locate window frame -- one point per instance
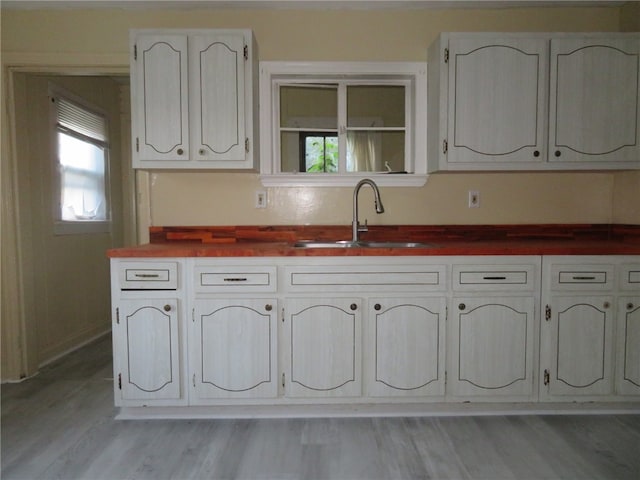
(76, 227)
(413, 74)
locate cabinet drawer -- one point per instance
(483, 277)
(235, 279)
(630, 277)
(148, 276)
(366, 278)
(584, 277)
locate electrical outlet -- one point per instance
(261, 199)
(474, 199)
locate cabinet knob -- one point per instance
(268, 307)
(167, 308)
(606, 305)
(180, 151)
(462, 306)
(377, 306)
(202, 151)
(353, 306)
(536, 153)
(629, 306)
(557, 153)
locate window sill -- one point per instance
(330, 180)
(81, 228)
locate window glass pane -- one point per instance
(82, 174)
(321, 153)
(375, 151)
(371, 106)
(309, 107)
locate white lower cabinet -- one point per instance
(493, 354)
(354, 331)
(407, 338)
(323, 342)
(628, 346)
(232, 346)
(147, 360)
(590, 334)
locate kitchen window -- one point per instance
(332, 124)
(80, 146)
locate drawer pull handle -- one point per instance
(583, 277)
(167, 308)
(353, 306)
(462, 306)
(494, 278)
(268, 307)
(147, 275)
(238, 279)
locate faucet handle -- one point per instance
(363, 228)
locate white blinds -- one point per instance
(78, 119)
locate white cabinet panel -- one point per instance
(160, 103)
(408, 346)
(497, 102)
(324, 338)
(233, 348)
(147, 349)
(217, 96)
(594, 113)
(582, 361)
(628, 346)
(493, 349)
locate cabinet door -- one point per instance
(628, 346)
(407, 338)
(594, 113)
(497, 99)
(159, 99)
(217, 97)
(324, 341)
(581, 331)
(233, 349)
(146, 349)
(492, 346)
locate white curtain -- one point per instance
(363, 152)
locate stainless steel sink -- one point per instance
(358, 244)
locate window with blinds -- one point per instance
(81, 147)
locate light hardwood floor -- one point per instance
(60, 425)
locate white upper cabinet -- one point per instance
(498, 86)
(593, 106)
(534, 101)
(192, 98)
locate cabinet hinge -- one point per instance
(246, 52)
(193, 315)
(246, 144)
(547, 313)
(546, 377)
(283, 380)
(135, 52)
(120, 381)
(445, 146)
(283, 315)
(445, 377)
(137, 144)
(446, 55)
(118, 315)
(194, 380)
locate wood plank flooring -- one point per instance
(60, 425)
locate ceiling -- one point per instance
(312, 4)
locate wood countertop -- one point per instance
(277, 241)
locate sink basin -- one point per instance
(359, 244)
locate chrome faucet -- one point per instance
(355, 224)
